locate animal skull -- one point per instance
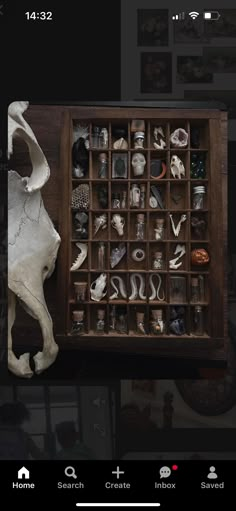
(97, 288)
(118, 223)
(177, 167)
(138, 164)
(33, 245)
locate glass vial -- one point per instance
(96, 137)
(124, 200)
(115, 201)
(140, 227)
(198, 321)
(101, 255)
(102, 172)
(198, 197)
(159, 229)
(195, 296)
(158, 263)
(78, 327)
(100, 325)
(157, 324)
(142, 196)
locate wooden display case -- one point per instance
(177, 200)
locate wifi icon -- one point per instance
(194, 14)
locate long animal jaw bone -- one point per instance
(173, 263)
(83, 247)
(176, 230)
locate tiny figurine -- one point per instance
(102, 172)
(100, 222)
(177, 167)
(140, 227)
(83, 247)
(118, 223)
(138, 164)
(121, 324)
(179, 138)
(98, 288)
(159, 137)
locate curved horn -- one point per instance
(18, 127)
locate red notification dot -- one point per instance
(175, 467)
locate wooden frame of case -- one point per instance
(213, 129)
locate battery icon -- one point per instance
(211, 15)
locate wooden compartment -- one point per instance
(176, 199)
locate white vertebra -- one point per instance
(135, 293)
(121, 289)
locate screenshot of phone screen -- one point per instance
(117, 251)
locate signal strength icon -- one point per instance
(179, 17)
(194, 15)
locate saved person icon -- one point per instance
(212, 474)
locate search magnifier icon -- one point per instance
(70, 472)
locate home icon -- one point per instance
(23, 473)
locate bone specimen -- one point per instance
(159, 137)
(33, 245)
(121, 289)
(156, 292)
(100, 222)
(177, 167)
(176, 230)
(98, 288)
(134, 288)
(118, 223)
(173, 263)
(83, 247)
